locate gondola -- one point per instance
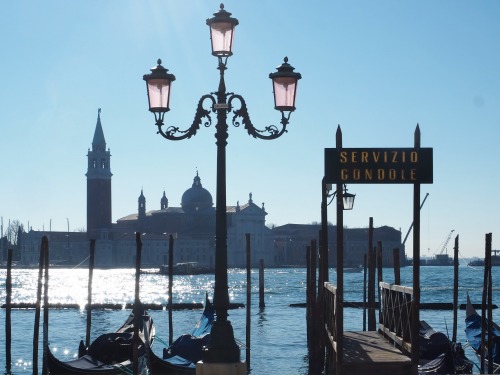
(186, 350)
(438, 355)
(110, 353)
(473, 333)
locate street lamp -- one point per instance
(222, 346)
(347, 198)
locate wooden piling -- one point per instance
(455, 290)
(261, 284)
(397, 266)
(484, 325)
(8, 322)
(170, 283)
(489, 301)
(45, 305)
(137, 316)
(308, 294)
(249, 299)
(314, 313)
(320, 304)
(364, 291)
(36, 331)
(89, 295)
(371, 279)
(380, 277)
(415, 323)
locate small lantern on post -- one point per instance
(347, 198)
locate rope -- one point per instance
(79, 264)
(161, 340)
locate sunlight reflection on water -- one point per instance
(278, 331)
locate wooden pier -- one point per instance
(385, 351)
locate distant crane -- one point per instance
(443, 248)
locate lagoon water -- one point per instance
(278, 332)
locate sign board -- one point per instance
(378, 165)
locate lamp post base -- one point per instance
(222, 347)
(238, 368)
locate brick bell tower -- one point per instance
(98, 186)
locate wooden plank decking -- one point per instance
(368, 352)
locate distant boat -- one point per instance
(355, 269)
(495, 260)
(438, 260)
(187, 268)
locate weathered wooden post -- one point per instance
(320, 305)
(486, 309)
(89, 296)
(379, 275)
(339, 311)
(170, 284)
(36, 331)
(371, 279)
(249, 299)
(137, 309)
(262, 304)
(8, 309)
(455, 290)
(364, 292)
(397, 266)
(415, 342)
(490, 309)
(45, 305)
(313, 350)
(308, 297)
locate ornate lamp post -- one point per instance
(222, 346)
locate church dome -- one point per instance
(196, 198)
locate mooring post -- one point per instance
(136, 308)
(364, 292)
(339, 311)
(490, 312)
(380, 277)
(89, 295)
(415, 323)
(455, 290)
(308, 297)
(249, 299)
(8, 308)
(170, 284)
(261, 284)
(314, 313)
(397, 266)
(45, 246)
(36, 331)
(320, 304)
(371, 279)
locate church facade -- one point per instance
(192, 226)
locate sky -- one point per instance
(376, 68)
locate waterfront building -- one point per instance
(192, 227)
(291, 240)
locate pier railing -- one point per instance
(396, 314)
(330, 293)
